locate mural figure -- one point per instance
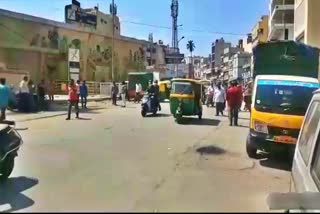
(53, 37)
(35, 40)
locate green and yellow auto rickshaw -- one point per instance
(164, 87)
(185, 98)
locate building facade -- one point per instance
(217, 52)
(306, 22)
(40, 47)
(281, 20)
(260, 31)
(239, 61)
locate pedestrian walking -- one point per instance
(114, 93)
(73, 99)
(219, 98)
(83, 94)
(123, 93)
(24, 95)
(210, 93)
(4, 98)
(247, 96)
(51, 88)
(234, 99)
(41, 95)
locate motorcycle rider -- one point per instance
(154, 89)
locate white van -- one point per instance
(305, 178)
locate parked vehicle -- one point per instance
(185, 98)
(285, 77)
(306, 166)
(10, 142)
(138, 77)
(149, 105)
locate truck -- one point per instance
(138, 77)
(285, 77)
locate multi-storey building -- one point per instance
(281, 19)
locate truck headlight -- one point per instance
(260, 127)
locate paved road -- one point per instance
(115, 160)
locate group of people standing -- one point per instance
(123, 93)
(27, 92)
(234, 95)
(77, 92)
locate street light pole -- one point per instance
(112, 57)
(176, 63)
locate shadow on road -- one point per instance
(202, 122)
(278, 161)
(158, 115)
(210, 150)
(244, 126)
(11, 193)
(84, 118)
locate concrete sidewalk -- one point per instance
(64, 98)
(57, 110)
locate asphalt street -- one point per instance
(115, 160)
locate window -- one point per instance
(315, 167)
(308, 131)
(286, 34)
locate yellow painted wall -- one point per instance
(42, 50)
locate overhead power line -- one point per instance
(194, 30)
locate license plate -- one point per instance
(285, 139)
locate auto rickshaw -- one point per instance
(185, 98)
(164, 87)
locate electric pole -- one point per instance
(113, 11)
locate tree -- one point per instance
(191, 46)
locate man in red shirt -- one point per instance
(73, 99)
(234, 99)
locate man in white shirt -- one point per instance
(24, 95)
(219, 98)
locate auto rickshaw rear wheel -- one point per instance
(178, 118)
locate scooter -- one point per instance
(10, 142)
(149, 105)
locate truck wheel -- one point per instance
(251, 150)
(6, 168)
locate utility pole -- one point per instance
(113, 12)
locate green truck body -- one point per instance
(285, 58)
(138, 77)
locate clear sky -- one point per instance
(200, 18)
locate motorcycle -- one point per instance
(149, 105)
(10, 142)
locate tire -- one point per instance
(143, 113)
(251, 150)
(200, 116)
(154, 112)
(6, 168)
(178, 118)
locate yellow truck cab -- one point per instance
(279, 103)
